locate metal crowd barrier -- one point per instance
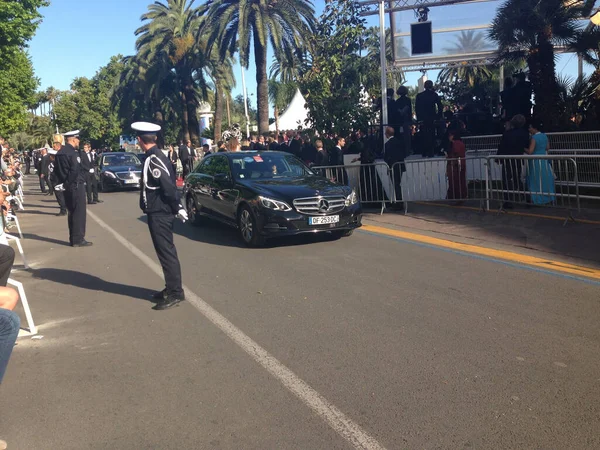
(493, 181)
(549, 181)
(372, 182)
(558, 142)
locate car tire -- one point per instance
(341, 233)
(249, 229)
(195, 218)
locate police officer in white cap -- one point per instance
(70, 174)
(159, 200)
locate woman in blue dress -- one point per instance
(540, 178)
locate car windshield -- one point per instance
(267, 165)
(121, 160)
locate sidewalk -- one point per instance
(521, 231)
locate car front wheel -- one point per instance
(249, 229)
(192, 210)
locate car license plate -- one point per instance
(323, 220)
(131, 181)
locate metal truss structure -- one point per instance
(407, 5)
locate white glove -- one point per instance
(182, 215)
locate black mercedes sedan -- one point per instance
(119, 170)
(269, 194)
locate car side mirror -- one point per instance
(222, 177)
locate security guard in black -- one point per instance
(69, 172)
(159, 201)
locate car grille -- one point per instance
(128, 175)
(320, 205)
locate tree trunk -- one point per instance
(276, 112)
(218, 124)
(184, 117)
(192, 110)
(159, 120)
(262, 85)
(542, 74)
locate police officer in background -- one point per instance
(159, 201)
(70, 174)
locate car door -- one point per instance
(199, 185)
(224, 192)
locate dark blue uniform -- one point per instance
(159, 200)
(69, 172)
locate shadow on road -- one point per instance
(35, 211)
(91, 282)
(36, 237)
(214, 233)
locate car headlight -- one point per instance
(277, 205)
(110, 175)
(352, 199)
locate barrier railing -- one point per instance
(549, 181)
(493, 181)
(575, 140)
(372, 182)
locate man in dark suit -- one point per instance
(394, 157)
(185, 158)
(45, 173)
(429, 109)
(88, 165)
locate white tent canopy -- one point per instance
(294, 116)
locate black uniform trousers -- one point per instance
(427, 131)
(91, 187)
(186, 167)
(60, 196)
(76, 206)
(27, 166)
(42, 182)
(161, 231)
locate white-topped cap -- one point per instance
(145, 128)
(71, 133)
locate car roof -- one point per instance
(249, 152)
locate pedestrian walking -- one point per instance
(38, 167)
(70, 174)
(159, 201)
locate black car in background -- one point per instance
(269, 194)
(119, 170)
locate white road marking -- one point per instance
(335, 418)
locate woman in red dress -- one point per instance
(456, 169)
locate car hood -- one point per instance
(289, 189)
(132, 168)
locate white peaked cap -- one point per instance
(71, 133)
(145, 128)
(51, 151)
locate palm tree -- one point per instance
(587, 45)
(285, 24)
(530, 30)
(467, 42)
(280, 95)
(168, 40)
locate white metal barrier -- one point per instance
(32, 328)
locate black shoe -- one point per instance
(162, 295)
(98, 201)
(169, 302)
(62, 213)
(82, 244)
(91, 203)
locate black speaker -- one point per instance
(421, 38)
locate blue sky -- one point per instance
(79, 36)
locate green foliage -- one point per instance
(18, 21)
(236, 26)
(87, 107)
(17, 91)
(333, 87)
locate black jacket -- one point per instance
(87, 162)
(428, 106)
(184, 154)
(404, 108)
(394, 151)
(44, 165)
(159, 190)
(68, 167)
(336, 157)
(514, 142)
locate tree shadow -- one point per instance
(93, 283)
(214, 233)
(37, 212)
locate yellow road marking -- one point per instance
(534, 261)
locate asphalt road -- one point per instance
(416, 347)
